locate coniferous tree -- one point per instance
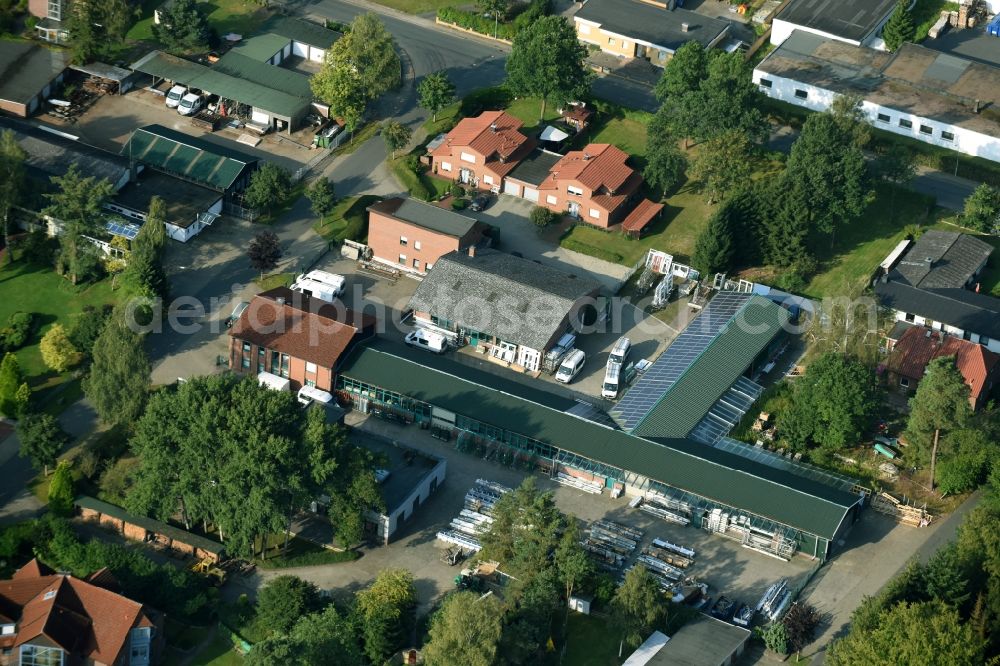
(899, 28)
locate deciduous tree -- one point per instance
(322, 197)
(435, 92)
(283, 600)
(665, 163)
(396, 135)
(546, 61)
(384, 611)
(182, 26)
(12, 158)
(465, 630)
(11, 378)
(982, 209)
(638, 605)
(525, 529)
(723, 164)
(41, 440)
(58, 352)
(684, 72)
(118, 382)
(940, 404)
(269, 186)
(264, 252)
(61, 493)
(573, 564)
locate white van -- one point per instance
(174, 96)
(310, 394)
(428, 340)
(571, 366)
(610, 387)
(332, 279)
(190, 104)
(620, 351)
(315, 289)
(273, 381)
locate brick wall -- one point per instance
(134, 532)
(384, 235)
(323, 377)
(457, 164)
(112, 523)
(39, 8)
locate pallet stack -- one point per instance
(915, 516)
(592, 487)
(475, 518)
(610, 543)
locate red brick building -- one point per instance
(917, 346)
(595, 184)
(481, 151)
(51, 618)
(411, 235)
(296, 337)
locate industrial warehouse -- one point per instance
(776, 508)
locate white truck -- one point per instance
(320, 284)
(174, 96)
(190, 104)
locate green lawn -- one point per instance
(38, 289)
(590, 641)
(349, 220)
(302, 553)
(276, 280)
(420, 6)
(625, 129)
(682, 220)
(219, 652)
(243, 17)
(143, 28)
(925, 14)
(446, 119)
(527, 109)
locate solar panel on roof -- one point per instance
(125, 229)
(677, 358)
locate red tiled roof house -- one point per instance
(595, 184)
(296, 337)
(50, 618)
(481, 151)
(918, 346)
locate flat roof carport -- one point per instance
(275, 103)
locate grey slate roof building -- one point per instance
(652, 25)
(514, 299)
(961, 308)
(943, 260)
(433, 218)
(853, 20)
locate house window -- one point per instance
(905, 123)
(487, 179)
(245, 364)
(926, 129)
(595, 213)
(310, 382)
(947, 136)
(766, 83)
(416, 264)
(904, 382)
(468, 157)
(402, 258)
(310, 368)
(260, 360)
(801, 94)
(416, 245)
(402, 240)
(55, 10)
(909, 317)
(611, 41)
(284, 365)
(574, 190)
(549, 198)
(428, 266)
(445, 166)
(884, 117)
(984, 341)
(36, 655)
(7, 630)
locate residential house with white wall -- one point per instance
(915, 92)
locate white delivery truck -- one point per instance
(571, 366)
(426, 340)
(320, 284)
(310, 394)
(611, 381)
(620, 351)
(273, 382)
(190, 104)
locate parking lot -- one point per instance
(111, 120)
(723, 564)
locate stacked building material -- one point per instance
(611, 543)
(680, 550)
(592, 487)
(774, 601)
(475, 518)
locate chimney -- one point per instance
(685, 27)
(472, 250)
(280, 300)
(586, 156)
(493, 127)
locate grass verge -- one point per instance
(302, 553)
(275, 280)
(349, 220)
(355, 142)
(590, 641)
(419, 6)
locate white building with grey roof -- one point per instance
(513, 309)
(915, 92)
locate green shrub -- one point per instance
(541, 216)
(16, 333)
(459, 204)
(476, 22)
(410, 180)
(456, 190)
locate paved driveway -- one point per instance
(509, 214)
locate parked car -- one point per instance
(174, 96)
(571, 366)
(480, 203)
(237, 311)
(191, 104)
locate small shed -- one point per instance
(580, 604)
(108, 78)
(635, 223)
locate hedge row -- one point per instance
(596, 252)
(487, 25)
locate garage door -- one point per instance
(530, 194)
(512, 188)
